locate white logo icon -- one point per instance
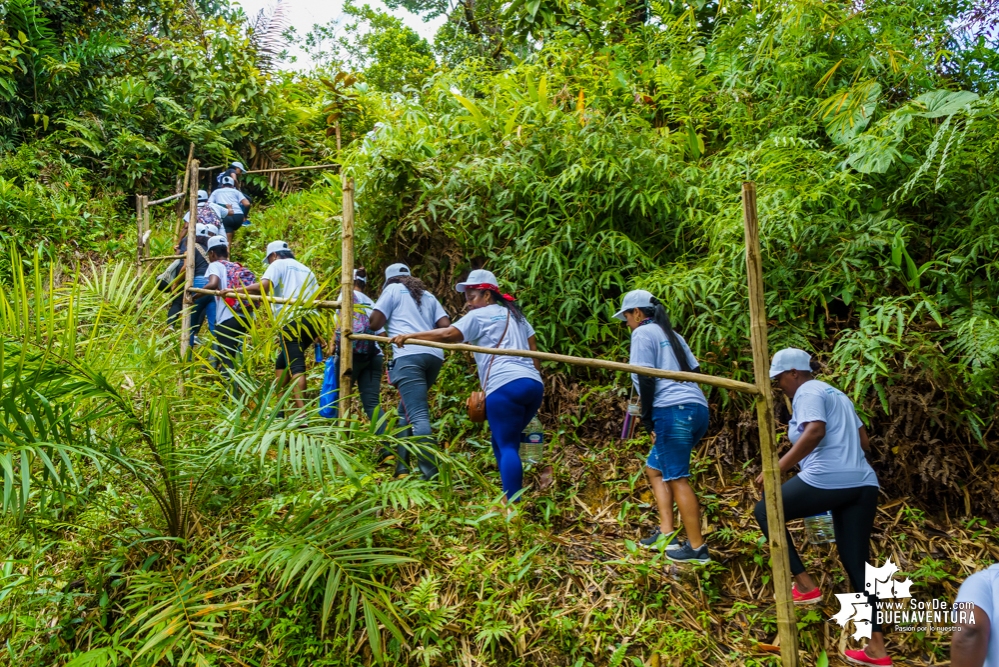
(879, 582)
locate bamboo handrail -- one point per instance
(314, 166)
(230, 294)
(211, 168)
(679, 376)
(162, 258)
(165, 199)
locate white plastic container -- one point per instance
(819, 528)
(532, 442)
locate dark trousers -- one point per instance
(367, 375)
(296, 337)
(229, 341)
(853, 512)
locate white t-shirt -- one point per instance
(838, 461)
(220, 211)
(402, 316)
(291, 280)
(982, 590)
(484, 327)
(224, 196)
(651, 348)
(222, 310)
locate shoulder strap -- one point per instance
(204, 255)
(498, 343)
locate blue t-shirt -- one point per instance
(982, 590)
(650, 348)
(838, 461)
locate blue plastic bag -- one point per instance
(330, 392)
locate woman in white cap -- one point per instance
(235, 203)
(828, 442)
(231, 314)
(204, 306)
(512, 385)
(404, 307)
(210, 215)
(367, 355)
(287, 278)
(676, 416)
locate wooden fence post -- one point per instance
(146, 225)
(346, 295)
(787, 629)
(185, 326)
(138, 232)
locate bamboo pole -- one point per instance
(179, 210)
(269, 299)
(185, 327)
(218, 166)
(679, 376)
(346, 294)
(281, 169)
(165, 199)
(161, 258)
(146, 227)
(138, 232)
(787, 629)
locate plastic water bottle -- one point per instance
(819, 528)
(319, 353)
(532, 442)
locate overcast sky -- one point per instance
(306, 13)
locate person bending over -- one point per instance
(676, 416)
(404, 307)
(512, 385)
(828, 441)
(235, 203)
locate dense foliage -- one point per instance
(577, 150)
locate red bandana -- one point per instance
(491, 288)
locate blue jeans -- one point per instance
(413, 375)
(509, 409)
(204, 309)
(678, 429)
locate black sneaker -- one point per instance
(687, 554)
(657, 537)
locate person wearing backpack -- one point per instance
(236, 204)
(210, 215)
(204, 305)
(232, 314)
(676, 416)
(367, 355)
(406, 307)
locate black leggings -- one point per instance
(853, 513)
(232, 222)
(229, 340)
(296, 336)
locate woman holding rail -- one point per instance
(676, 416)
(512, 385)
(405, 307)
(828, 442)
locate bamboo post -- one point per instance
(346, 294)
(185, 327)
(146, 226)
(787, 629)
(138, 232)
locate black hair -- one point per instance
(412, 283)
(222, 250)
(285, 254)
(659, 315)
(201, 241)
(361, 276)
(509, 305)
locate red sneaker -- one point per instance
(860, 657)
(811, 597)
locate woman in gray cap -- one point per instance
(676, 416)
(828, 442)
(405, 306)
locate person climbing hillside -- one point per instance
(209, 214)
(676, 417)
(513, 385)
(287, 278)
(232, 315)
(235, 170)
(405, 307)
(204, 306)
(828, 442)
(236, 203)
(367, 355)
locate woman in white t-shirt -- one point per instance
(512, 385)
(367, 359)
(675, 415)
(235, 202)
(828, 442)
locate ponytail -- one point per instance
(659, 315)
(509, 305)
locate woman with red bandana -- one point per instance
(512, 384)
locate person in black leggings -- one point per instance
(828, 441)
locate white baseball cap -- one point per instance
(216, 241)
(212, 230)
(397, 270)
(238, 165)
(638, 298)
(227, 180)
(202, 195)
(273, 247)
(478, 277)
(359, 278)
(790, 359)
(201, 229)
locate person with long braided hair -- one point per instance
(512, 385)
(676, 416)
(406, 306)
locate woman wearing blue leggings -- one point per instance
(512, 384)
